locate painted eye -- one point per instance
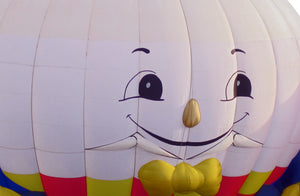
(150, 87)
(242, 86)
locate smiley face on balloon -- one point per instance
(146, 87)
(155, 113)
(151, 88)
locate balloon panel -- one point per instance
(205, 67)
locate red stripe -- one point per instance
(231, 185)
(64, 186)
(275, 175)
(137, 188)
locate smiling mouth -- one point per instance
(137, 139)
(180, 143)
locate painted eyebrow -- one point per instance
(237, 50)
(145, 50)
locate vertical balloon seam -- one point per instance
(190, 96)
(1, 22)
(233, 39)
(289, 25)
(32, 84)
(190, 48)
(84, 92)
(244, 186)
(274, 54)
(241, 180)
(295, 37)
(138, 7)
(10, 182)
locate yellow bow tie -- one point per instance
(162, 179)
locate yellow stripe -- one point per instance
(31, 182)
(254, 182)
(7, 192)
(108, 188)
(187, 194)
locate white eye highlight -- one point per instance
(148, 85)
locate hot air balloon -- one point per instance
(147, 98)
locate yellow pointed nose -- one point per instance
(191, 114)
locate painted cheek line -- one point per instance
(246, 114)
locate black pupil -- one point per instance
(242, 86)
(150, 87)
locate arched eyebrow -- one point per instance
(145, 50)
(237, 50)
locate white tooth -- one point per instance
(121, 145)
(242, 141)
(223, 144)
(150, 147)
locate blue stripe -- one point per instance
(7, 183)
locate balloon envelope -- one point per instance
(93, 91)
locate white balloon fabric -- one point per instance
(91, 91)
(296, 5)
